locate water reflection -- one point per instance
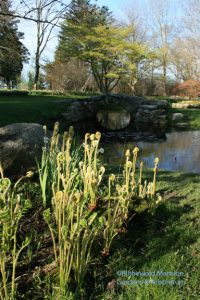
(179, 152)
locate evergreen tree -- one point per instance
(12, 52)
(81, 17)
(89, 33)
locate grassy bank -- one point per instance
(32, 108)
(169, 241)
(191, 117)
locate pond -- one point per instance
(179, 151)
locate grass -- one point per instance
(33, 108)
(42, 109)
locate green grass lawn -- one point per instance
(36, 109)
(168, 242)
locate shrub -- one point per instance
(45, 93)
(84, 93)
(13, 93)
(189, 88)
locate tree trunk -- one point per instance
(132, 84)
(152, 81)
(165, 78)
(8, 84)
(37, 69)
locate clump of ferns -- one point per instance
(12, 209)
(123, 196)
(73, 222)
(83, 211)
(73, 226)
(90, 170)
(134, 185)
(47, 168)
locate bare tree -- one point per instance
(162, 35)
(191, 18)
(25, 9)
(46, 14)
(71, 75)
(186, 51)
(135, 19)
(185, 58)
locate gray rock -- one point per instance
(20, 145)
(114, 120)
(158, 103)
(153, 112)
(76, 114)
(181, 125)
(148, 107)
(176, 117)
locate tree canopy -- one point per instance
(12, 52)
(90, 34)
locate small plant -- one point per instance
(12, 208)
(91, 172)
(47, 168)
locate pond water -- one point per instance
(179, 151)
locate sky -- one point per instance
(116, 6)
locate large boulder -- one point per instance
(20, 145)
(113, 120)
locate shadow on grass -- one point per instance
(150, 237)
